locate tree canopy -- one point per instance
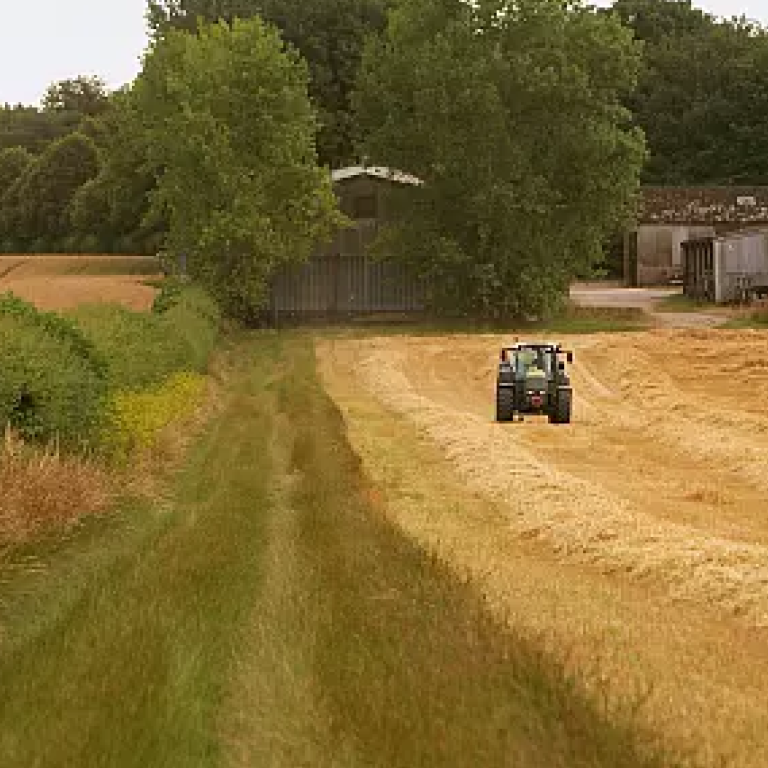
(510, 113)
(36, 206)
(702, 100)
(329, 34)
(230, 135)
(13, 162)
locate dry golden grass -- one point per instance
(42, 491)
(634, 539)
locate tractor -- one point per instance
(532, 380)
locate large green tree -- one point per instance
(230, 133)
(702, 99)
(330, 34)
(36, 206)
(510, 113)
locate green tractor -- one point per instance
(532, 380)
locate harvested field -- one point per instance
(635, 538)
(57, 282)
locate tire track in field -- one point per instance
(581, 520)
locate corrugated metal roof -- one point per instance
(375, 171)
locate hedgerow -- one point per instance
(144, 349)
(139, 349)
(74, 378)
(52, 383)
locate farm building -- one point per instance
(341, 278)
(733, 267)
(669, 216)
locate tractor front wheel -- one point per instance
(505, 404)
(561, 413)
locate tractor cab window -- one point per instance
(529, 361)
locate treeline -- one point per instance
(522, 117)
(702, 95)
(50, 160)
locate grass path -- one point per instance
(270, 616)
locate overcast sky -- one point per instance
(42, 41)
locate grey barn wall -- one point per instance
(342, 277)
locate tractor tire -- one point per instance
(505, 404)
(561, 413)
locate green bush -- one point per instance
(138, 348)
(144, 349)
(59, 376)
(170, 291)
(53, 383)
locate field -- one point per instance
(354, 565)
(634, 540)
(53, 281)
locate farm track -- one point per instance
(653, 500)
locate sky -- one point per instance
(42, 41)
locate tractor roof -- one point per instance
(547, 345)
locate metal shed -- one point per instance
(727, 268)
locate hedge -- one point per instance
(53, 383)
(144, 349)
(60, 377)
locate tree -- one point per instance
(115, 206)
(654, 21)
(36, 205)
(510, 113)
(83, 95)
(702, 100)
(330, 34)
(230, 134)
(13, 162)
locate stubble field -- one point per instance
(634, 541)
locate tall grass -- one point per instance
(43, 491)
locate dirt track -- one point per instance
(654, 498)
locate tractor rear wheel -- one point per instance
(505, 404)
(561, 413)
